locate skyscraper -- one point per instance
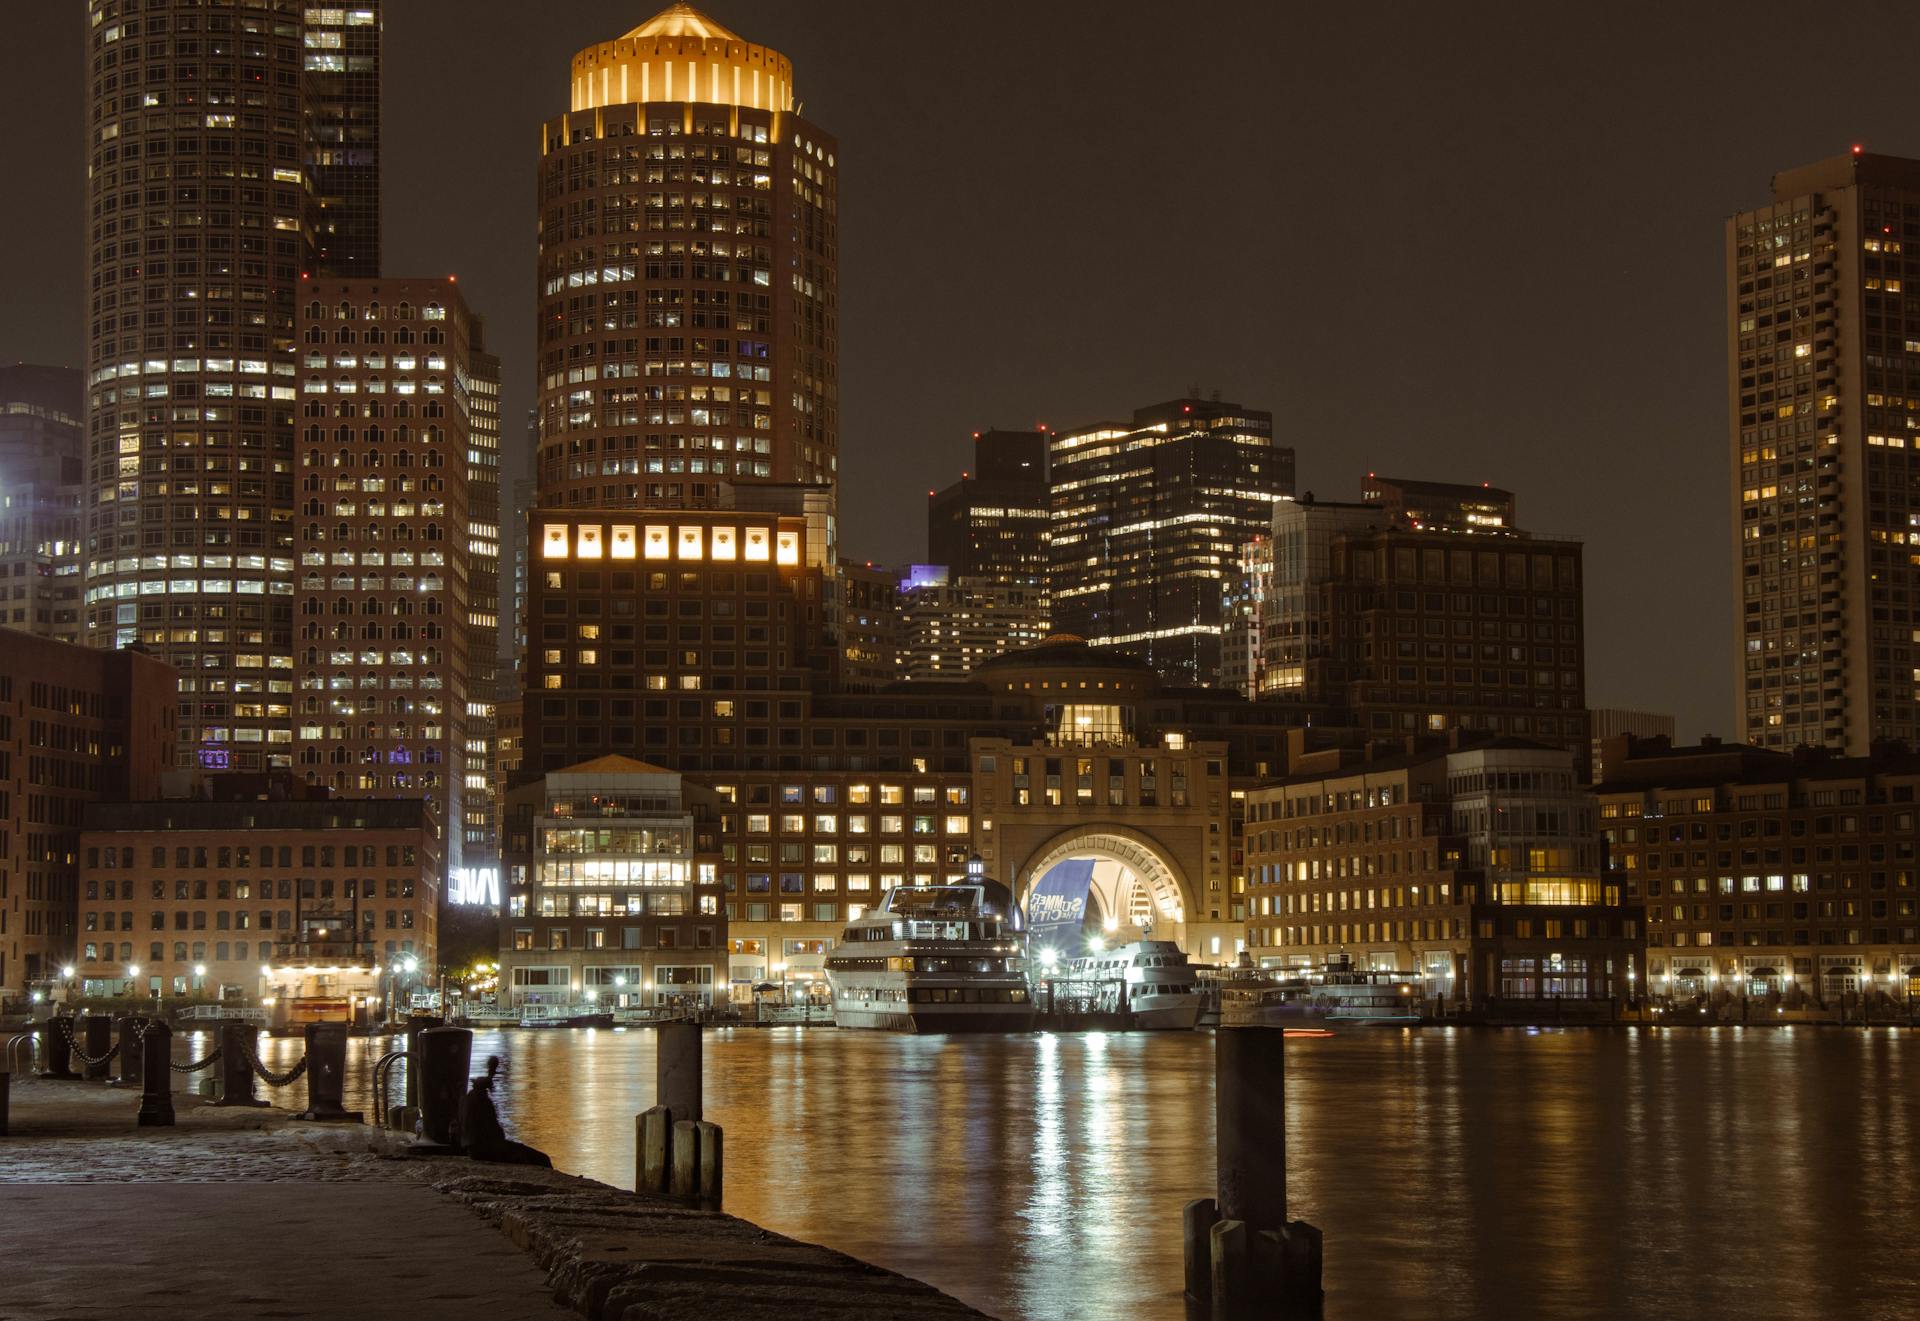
(1822, 436)
(385, 597)
(42, 450)
(992, 523)
(200, 126)
(341, 82)
(1148, 521)
(480, 845)
(689, 244)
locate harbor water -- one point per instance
(1455, 1172)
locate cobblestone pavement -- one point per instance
(250, 1213)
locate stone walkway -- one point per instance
(248, 1213)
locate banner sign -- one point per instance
(1058, 908)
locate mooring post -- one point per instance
(677, 1071)
(156, 1095)
(442, 1057)
(132, 1055)
(326, 1074)
(236, 1064)
(99, 1035)
(1243, 1257)
(416, 1024)
(55, 1035)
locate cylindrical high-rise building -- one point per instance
(200, 127)
(689, 245)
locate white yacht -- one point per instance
(1149, 980)
(931, 958)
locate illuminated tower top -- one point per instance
(682, 55)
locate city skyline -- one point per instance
(1444, 416)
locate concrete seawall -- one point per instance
(249, 1212)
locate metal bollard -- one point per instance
(99, 1037)
(53, 1036)
(237, 1039)
(442, 1057)
(326, 1075)
(132, 1054)
(156, 1097)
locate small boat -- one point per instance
(931, 958)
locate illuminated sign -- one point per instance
(471, 887)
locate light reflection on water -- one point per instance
(1708, 1173)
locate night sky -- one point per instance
(1453, 242)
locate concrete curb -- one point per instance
(618, 1256)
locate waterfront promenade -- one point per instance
(252, 1213)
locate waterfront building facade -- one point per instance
(77, 726)
(1474, 864)
(385, 598)
(256, 891)
(1822, 436)
(612, 894)
(688, 260)
(42, 458)
(1148, 518)
(1770, 879)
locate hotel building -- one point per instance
(1148, 521)
(1770, 878)
(688, 258)
(1475, 864)
(1822, 436)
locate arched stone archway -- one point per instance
(1141, 883)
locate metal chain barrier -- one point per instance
(66, 1028)
(197, 1065)
(275, 1079)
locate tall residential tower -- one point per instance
(1823, 429)
(200, 124)
(689, 248)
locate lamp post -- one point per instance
(199, 978)
(66, 976)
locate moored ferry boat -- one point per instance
(1338, 994)
(931, 958)
(1149, 981)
